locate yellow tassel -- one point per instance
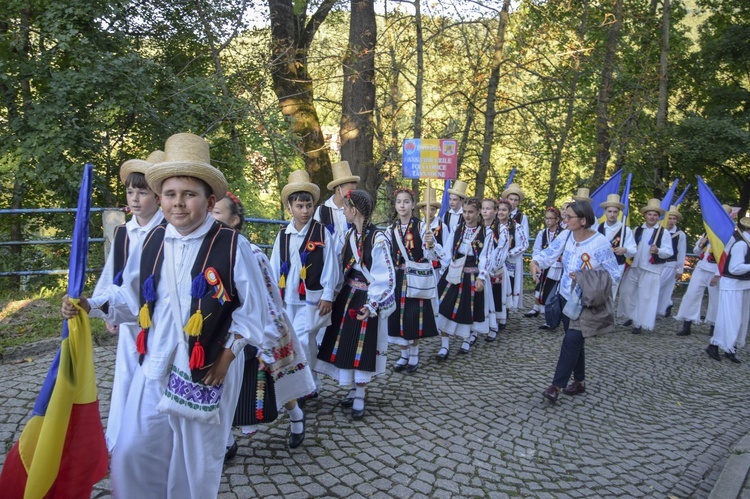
(144, 318)
(282, 281)
(303, 273)
(194, 325)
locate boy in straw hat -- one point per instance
(456, 195)
(734, 297)
(514, 265)
(582, 194)
(127, 241)
(619, 235)
(331, 213)
(305, 263)
(640, 287)
(704, 277)
(200, 293)
(440, 231)
(675, 264)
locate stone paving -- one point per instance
(657, 420)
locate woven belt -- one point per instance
(355, 284)
(471, 270)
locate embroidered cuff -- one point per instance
(372, 308)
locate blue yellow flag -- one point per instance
(682, 196)
(62, 452)
(719, 226)
(611, 186)
(510, 177)
(445, 202)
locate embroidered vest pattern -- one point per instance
(615, 242)
(121, 251)
(311, 256)
(639, 235)
(738, 239)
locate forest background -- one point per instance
(566, 91)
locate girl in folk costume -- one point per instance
(514, 264)
(354, 346)
(549, 277)
(414, 318)
(498, 232)
(517, 244)
(734, 298)
(126, 243)
(704, 277)
(440, 232)
(461, 288)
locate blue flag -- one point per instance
(444, 203)
(611, 186)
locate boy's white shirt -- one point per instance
(330, 276)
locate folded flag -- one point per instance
(611, 186)
(719, 226)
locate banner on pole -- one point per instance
(430, 158)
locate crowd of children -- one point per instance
(214, 335)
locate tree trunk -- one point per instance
(661, 114)
(560, 143)
(603, 139)
(358, 101)
(418, 99)
(291, 36)
(490, 112)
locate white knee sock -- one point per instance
(413, 355)
(359, 398)
(404, 357)
(296, 414)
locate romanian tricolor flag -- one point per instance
(611, 186)
(62, 452)
(719, 225)
(666, 203)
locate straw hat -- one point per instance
(745, 221)
(459, 189)
(342, 174)
(728, 209)
(653, 205)
(299, 181)
(583, 195)
(514, 188)
(140, 165)
(431, 201)
(673, 211)
(187, 155)
(612, 200)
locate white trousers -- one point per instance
(638, 297)
(732, 319)
(690, 307)
(126, 362)
(300, 317)
(162, 456)
(666, 286)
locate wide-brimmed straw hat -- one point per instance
(431, 201)
(613, 200)
(187, 155)
(727, 209)
(673, 211)
(459, 189)
(140, 165)
(582, 195)
(299, 181)
(652, 205)
(342, 174)
(513, 188)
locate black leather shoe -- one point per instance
(491, 338)
(685, 329)
(231, 452)
(628, 322)
(531, 313)
(472, 340)
(442, 354)
(358, 414)
(464, 348)
(296, 439)
(668, 311)
(713, 352)
(551, 393)
(732, 357)
(501, 326)
(398, 367)
(347, 401)
(637, 330)
(410, 368)
(545, 326)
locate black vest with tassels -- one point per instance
(218, 251)
(315, 259)
(367, 244)
(120, 251)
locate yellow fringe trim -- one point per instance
(194, 325)
(144, 318)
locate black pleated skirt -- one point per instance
(251, 411)
(545, 287)
(470, 309)
(497, 295)
(413, 318)
(349, 343)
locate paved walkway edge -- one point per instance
(733, 475)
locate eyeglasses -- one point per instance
(568, 217)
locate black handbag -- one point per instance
(553, 308)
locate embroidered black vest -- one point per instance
(120, 252)
(367, 244)
(326, 217)
(495, 228)
(313, 243)
(438, 232)
(639, 234)
(675, 244)
(416, 253)
(447, 218)
(615, 242)
(218, 251)
(476, 244)
(518, 217)
(512, 224)
(738, 239)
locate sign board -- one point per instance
(429, 158)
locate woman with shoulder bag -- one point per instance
(580, 248)
(413, 249)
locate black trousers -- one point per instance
(572, 358)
